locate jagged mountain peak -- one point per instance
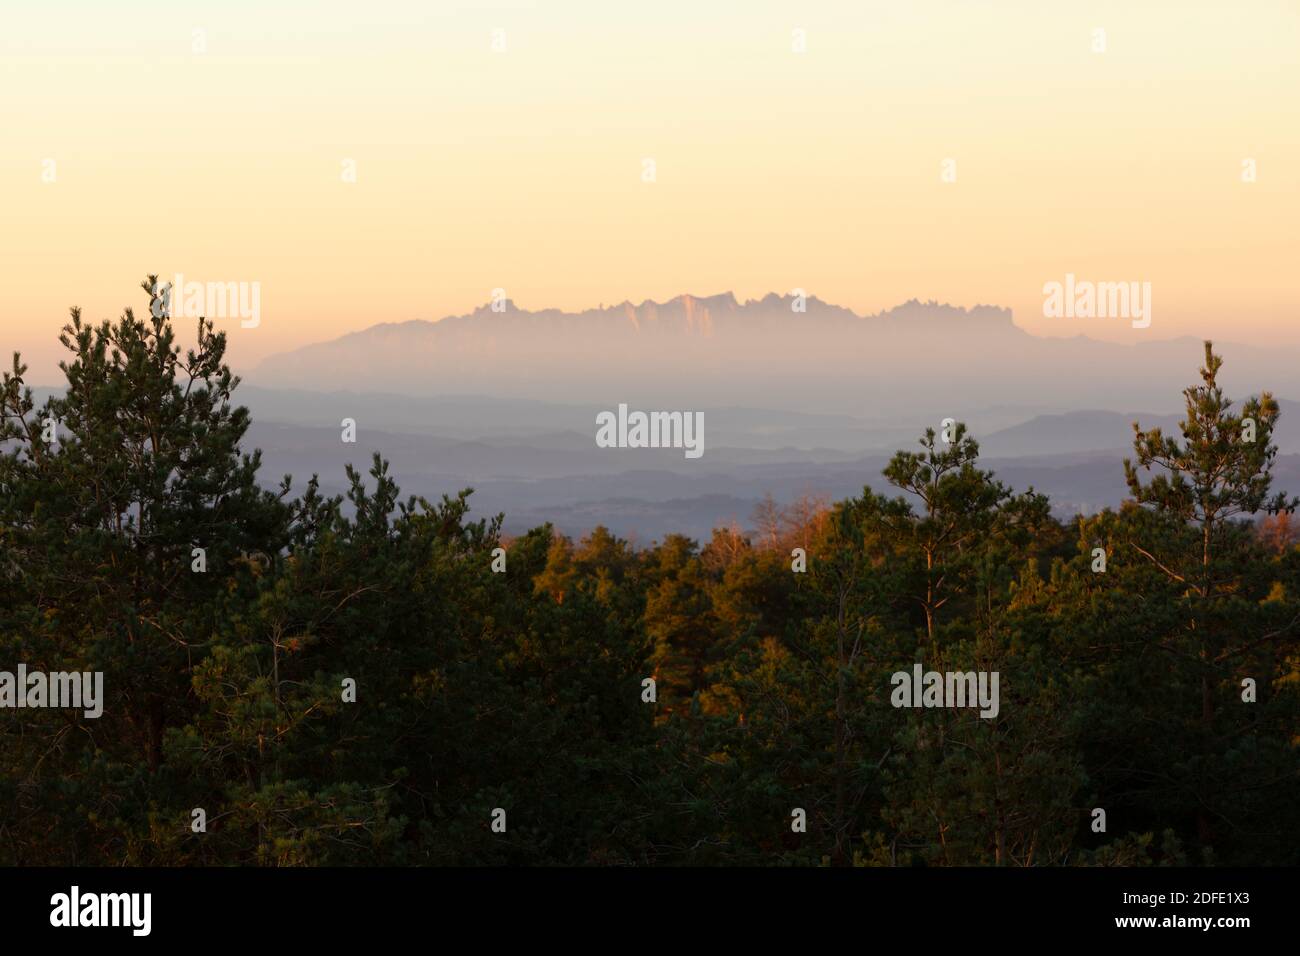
(695, 350)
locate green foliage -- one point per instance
(522, 690)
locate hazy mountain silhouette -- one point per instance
(795, 402)
(919, 359)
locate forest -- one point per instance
(292, 678)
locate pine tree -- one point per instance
(135, 528)
(958, 503)
(1197, 536)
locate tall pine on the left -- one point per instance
(99, 529)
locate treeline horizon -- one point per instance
(377, 679)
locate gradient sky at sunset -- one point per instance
(523, 169)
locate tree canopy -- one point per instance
(292, 678)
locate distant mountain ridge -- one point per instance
(919, 358)
(695, 314)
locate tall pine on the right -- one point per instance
(1235, 624)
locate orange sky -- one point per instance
(523, 169)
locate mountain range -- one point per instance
(919, 360)
(795, 402)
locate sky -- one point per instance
(962, 151)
